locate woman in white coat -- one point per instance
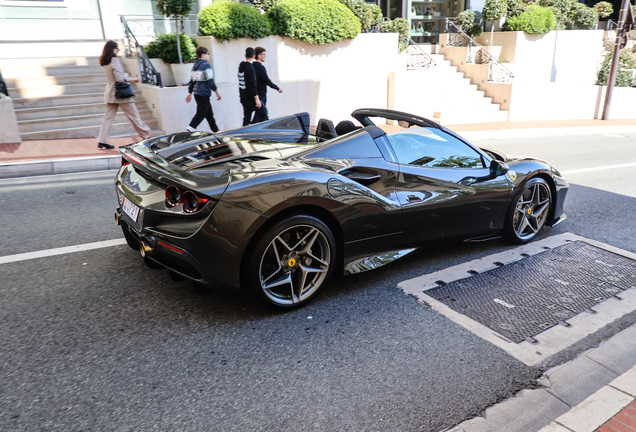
(115, 73)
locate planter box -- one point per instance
(327, 81)
(9, 132)
(167, 79)
(565, 56)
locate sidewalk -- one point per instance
(60, 156)
(602, 380)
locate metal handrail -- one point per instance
(477, 54)
(149, 74)
(418, 58)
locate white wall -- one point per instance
(558, 101)
(327, 81)
(567, 56)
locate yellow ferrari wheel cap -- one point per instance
(291, 262)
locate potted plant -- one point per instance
(163, 54)
(494, 10)
(177, 9)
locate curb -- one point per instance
(598, 408)
(59, 166)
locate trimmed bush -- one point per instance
(314, 21)
(165, 48)
(582, 17)
(624, 77)
(264, 5)
(377, 14)
(467, 20)
(362, 11)
(516, 7)
(494, 10)
(399, 26)
(535, 20)
(226, 20)
(603, 9)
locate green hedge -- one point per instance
(582, 17)
(624, 76)
(165, 48)
(399, 26)
(366, 13)
(314, 21)
(226, 20)
(535, 20)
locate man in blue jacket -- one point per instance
(247, 86)
(262, 82)
(202, 85)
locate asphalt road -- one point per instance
(96, 341)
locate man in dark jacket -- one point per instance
(262, 82)
(247, 86)
(202, 85)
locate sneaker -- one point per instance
(105, 146)
(190, 129)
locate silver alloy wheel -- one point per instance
(531, 211)
(294, 265)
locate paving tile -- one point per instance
(624, 418)
(618, 426)
(528, 411)
(618, 354)
(555, 427)
(576, 380)
(627, 383)
(595, 410)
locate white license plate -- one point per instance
(130, 209)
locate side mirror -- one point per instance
(498, 168)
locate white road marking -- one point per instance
(576, 171)
(60, 251)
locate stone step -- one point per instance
(117, 129)
(39, 71)
(47, 81)
(48, 62)
(68, 110)
(62, 100)
(56, 90)
(71, 122)
(475, 117)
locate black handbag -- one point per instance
(123, 90)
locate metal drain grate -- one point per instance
(521, 299)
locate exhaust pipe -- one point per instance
(146, 246)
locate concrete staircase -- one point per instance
(443, 93)
(63, 97)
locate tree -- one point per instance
(494, 10)
(603, 9)
(176, 9)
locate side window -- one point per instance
(433, 149)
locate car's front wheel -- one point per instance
(528, 211)
(291, 262)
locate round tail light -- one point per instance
(173, 196)
(192, 203)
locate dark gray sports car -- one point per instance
(276, 207)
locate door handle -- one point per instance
(361, 177)
(413, 198)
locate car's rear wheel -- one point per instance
(291, 262)
(528, 211)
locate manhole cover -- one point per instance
(521, 299)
